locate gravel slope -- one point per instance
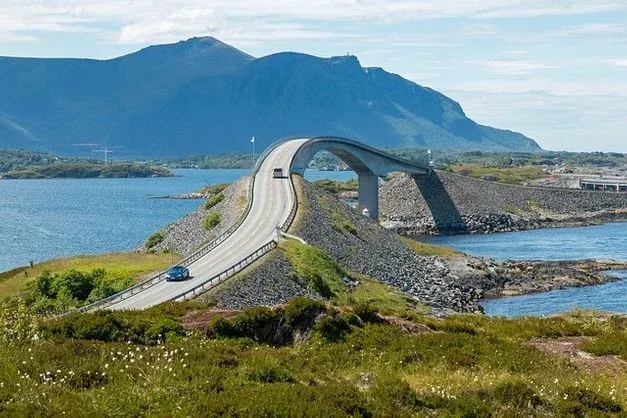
(463, 204)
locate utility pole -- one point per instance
(252, 141)
(106, 150)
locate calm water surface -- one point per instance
(44, 219)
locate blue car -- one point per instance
(177, 273)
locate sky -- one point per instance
(554, 70)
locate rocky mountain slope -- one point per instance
(203, 96)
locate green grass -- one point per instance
(370, 370)
(425, 249)
(212, 220)
(118, 265)
(378, 296)
(336, 187)
(316, 267)
(214, 200)
(154, 239)
(511, 175)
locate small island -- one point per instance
(29, 165)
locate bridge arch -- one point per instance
(369, 164)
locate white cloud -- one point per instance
(140, 21)
(513, 67)
(618, 62)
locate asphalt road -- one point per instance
(272, 203)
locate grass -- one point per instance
(378, 296)
(316, 267)
(119, 265)
(425, 249)
(214, 200)
(511, 175)
(212, 220)
(337, 187)
(369, 370)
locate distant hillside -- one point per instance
(203, 96)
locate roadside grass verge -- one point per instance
(426, 249)
(117, 265)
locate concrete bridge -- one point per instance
(369, 163)
(271, 209)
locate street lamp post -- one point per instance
(252, 141)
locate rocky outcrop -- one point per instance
(507, 278)
(188, 233)
(448, 203)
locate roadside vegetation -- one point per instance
(66, 283)
(212, 220)
(306, 358)
(426, 249)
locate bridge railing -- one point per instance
(290, 218)
(208, 284)
(226, 274)
(159, 277)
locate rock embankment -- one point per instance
(363, 246)
(188, 233)
(270, 282)
(448, 203)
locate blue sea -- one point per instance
(45, 219)
(607, 241)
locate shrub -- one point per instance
(366, 313)
(301, 312)
(211, 220)
(112, 327)
(214, 200)
(154, 239)
(332, 329)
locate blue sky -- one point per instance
(554, 70)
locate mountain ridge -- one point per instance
(204, 96)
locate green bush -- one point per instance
(258, 323)
(366, 313)
(211, 220)
(333, 328)
(301, 312)
(154, 239)
(112, 327)
(214, 200)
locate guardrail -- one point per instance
(208, 284)
(226, 274)
(290, 218)
(159, 277)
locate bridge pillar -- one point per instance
(369, 193)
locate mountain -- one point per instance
(203, 96)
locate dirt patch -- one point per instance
(568, 347)
(199, 320)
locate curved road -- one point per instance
(272, 203)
